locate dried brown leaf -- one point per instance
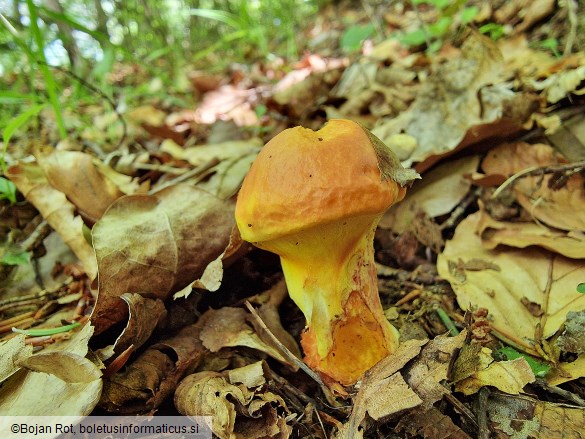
(230, 327)
(430, 423)
(431, 367)
(144, 316)
(383, 391)
(462, 93)
(156, 245)
(75, 174)
(146, 382)
(237, 411)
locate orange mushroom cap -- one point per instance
(302, 178)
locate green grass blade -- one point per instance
(15, 124)
(42, 62)
(222, 16)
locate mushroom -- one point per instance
(315, 199)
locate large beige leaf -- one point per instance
(563, 208)
(56, 209)
(155, 245)
(504, 280)
(41, 392)
(11, 353)
(69, 383)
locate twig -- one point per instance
(572, 16)
(199, 171)
(34, 297)
(482, 422)
(569, 396)
(460, 209)
(286, 352)
(459, 406)
(539, 170)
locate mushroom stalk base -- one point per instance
(331, 275)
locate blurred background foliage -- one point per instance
(65, 52)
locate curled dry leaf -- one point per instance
(144, 383)
(56, 209)
(156, 245)
(523, 234)
(237, 410)
(530, 275)
(563, 208)
(75, 174)
(558, 85)
(507, 376)
(144, 316)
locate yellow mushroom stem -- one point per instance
(331, 275)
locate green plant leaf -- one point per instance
(539, 368)
(354, 36)
(414, 38)
(581, 288)
(222, 16)
(441, 27)
(494, 30)
(19, 121)
(15, 257)
(12, 97)
(7, 190)
(468, 14)
(106, 63)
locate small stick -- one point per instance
(482, 422)
(539, 170)
(569, 396)
(410, 296)
(198, 171)
(289, 354)
(460, 407)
